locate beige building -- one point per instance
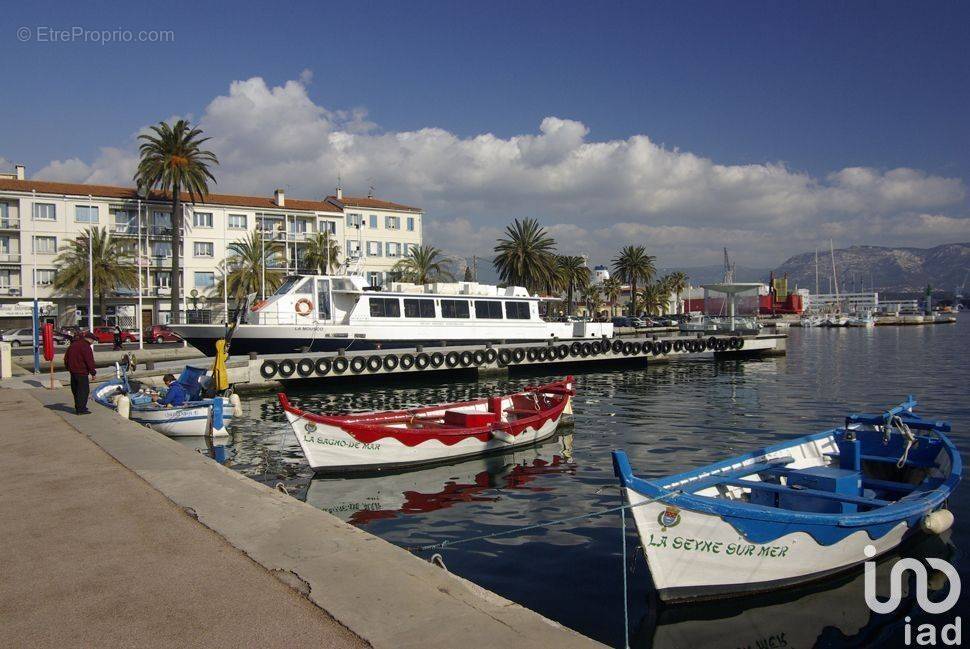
(38, 217)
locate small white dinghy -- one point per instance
(797, 511)
(196, 418)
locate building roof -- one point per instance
(372, 203)
(129, 193)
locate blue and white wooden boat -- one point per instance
(195, 418)
(796, 511)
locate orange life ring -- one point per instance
(303, 307)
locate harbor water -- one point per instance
(668, 418)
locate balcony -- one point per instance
(9, 223)
(272, 235)
(10, 290)
(10, 258)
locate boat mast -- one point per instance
(835, 278)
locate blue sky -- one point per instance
(815, 88)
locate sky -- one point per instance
(766, 127)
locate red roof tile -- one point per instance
(365, 202)
(128, 193)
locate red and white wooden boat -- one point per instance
(429, 435)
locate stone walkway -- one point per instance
(91, 555)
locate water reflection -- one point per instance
(361, 500)
(668, 418)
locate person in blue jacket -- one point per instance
(176, 394)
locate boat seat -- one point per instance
(888, 485)
(719, 478)
(814, 493)
(910, 462)
(521, 412)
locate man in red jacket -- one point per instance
(79, 360)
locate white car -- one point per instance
(18, 337)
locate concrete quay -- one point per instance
(114, 535)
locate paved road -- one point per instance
(91, 555)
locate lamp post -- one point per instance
(90, 271)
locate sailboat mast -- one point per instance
(816, 270)
(835, 278)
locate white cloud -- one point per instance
(594, 195)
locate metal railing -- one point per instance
(11, 290)
(10, 223)
(10, 257)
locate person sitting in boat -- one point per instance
(176, 395)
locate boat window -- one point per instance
(488, 309)
(385, 307)
(306, 288)
(454, 308)
(418, 308)
(517, 310)
(287, 285)
(323, 299)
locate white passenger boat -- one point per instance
(796, 511)
(327, 313)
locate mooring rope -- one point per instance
(622, 508)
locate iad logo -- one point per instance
(925, 633)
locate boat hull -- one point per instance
(704, 557)
(283, 339)
(330, 448)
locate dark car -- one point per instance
(161, 334)
(621, 321)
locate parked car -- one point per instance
(107, 335)
(161, 334)
(638, 322)
(25, 337)
(621, 321)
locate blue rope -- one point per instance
(626, 614)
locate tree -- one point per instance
(112, 266)
(469, 276)
(526, 256)
(612, 288)
(572, 275)
(592, 298)
(654, 298)
(322, 252)
(172, 159)
(677, 283)
(632, 266)
(243, 267)
(423, 265)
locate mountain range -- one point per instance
(863, 268)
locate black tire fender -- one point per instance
(340, 365)
(452, 359)
(304, 367)
(504, 357)
(358, 364)
(466, 358)
(391, 361)
(437, 359)
(268, 369)
(407, 361)
(286, 367)
(323, 366)
(422, 360)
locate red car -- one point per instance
(107, 335)
(161, 334)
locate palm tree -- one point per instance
(322, 252)
(111, 262)
(173, 160)
(612, 288)
(572, 274)
(654, 298)
(592, 298)
(677, 283)
(243, 267)
(423, 265)
(631, 266)
(526, 256)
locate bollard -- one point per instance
(419, 348)
(342, 352)
(149, 365)
(253, 356)
(6, 364)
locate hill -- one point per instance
(883, 269)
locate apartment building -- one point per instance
(38, 217)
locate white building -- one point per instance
(38, 217)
